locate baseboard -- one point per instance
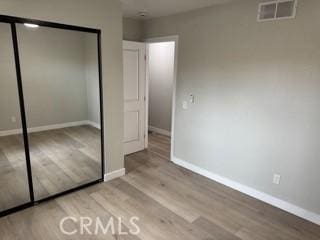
(160, 131)
(115, 174)
(288, 207)
(50, 127)
(57, 126)
(10, 132)
(94, 124)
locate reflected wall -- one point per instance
(14, 188)
(61, 92)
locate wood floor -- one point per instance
(171, 202)
(61, 159)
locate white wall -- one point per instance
(257, 94)
(104, 15)
(161, 74)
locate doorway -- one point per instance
(160, 62)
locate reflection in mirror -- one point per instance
(14, 188)
(61, 91)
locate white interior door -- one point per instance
(134, 71)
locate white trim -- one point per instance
(160, 131)
(10, 132)
(286, 206)
(174, 38)
(57, 126)
(49, 127)
(115, 174)
(94, 124)
(146, 136)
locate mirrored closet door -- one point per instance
(51, 131)
(60, 77)
(14, 186)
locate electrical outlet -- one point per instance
(13, 119)
(276, 179)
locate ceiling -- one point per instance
(160, 8)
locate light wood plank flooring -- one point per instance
(61, 159)
(171, 202)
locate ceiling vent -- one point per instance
(277, 10)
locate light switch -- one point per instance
(191, 98)
(276, 179)
(13, 119)
(185, 105)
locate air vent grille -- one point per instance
(276, 10)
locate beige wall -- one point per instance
(107, 16)
(132, 29)
(60, 77)
(92, 78)
(257, 101)
(9, 98)
(53, 75)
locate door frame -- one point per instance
(12, 21)
(175, 39)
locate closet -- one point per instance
(51, 115)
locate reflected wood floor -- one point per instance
(61, 159)
(171, 202)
